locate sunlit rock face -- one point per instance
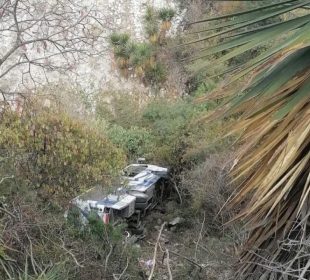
(95, 73)
(122, 16)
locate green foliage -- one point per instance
(163, 130)
(141, 57)
(135, 141)
(53, 154)
(98, 231)
(118, 108)
(119, 39)
(56, 272)
(203, 88)
(166, 14)
(141, 54)
(156, 74)
(150, 14)
(180, 139)
(151, 29)
(124, 51)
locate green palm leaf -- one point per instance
(272, 113)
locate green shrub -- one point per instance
(141, 54)
(156, 73)
(166, 14)
(169, 124)
(135, 141)
(119, 39)
(52, 153)
(150, 15)
(119, 108)
(181, 139)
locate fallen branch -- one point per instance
(155, 251)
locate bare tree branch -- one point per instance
(39, 37)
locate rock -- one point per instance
(159, 221)
(176, 221)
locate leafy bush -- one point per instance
(119, 108)
(135, 141)
(181, 139)
(169, 123)
(141, 55)
(53, 154)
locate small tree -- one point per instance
(166, 15)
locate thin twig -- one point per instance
(200, 234)
(124, 270)
(72, 255)
(107, 258)
(168, 265)
(155, 251)
(178, 192)
(7, 212)
(5, 178)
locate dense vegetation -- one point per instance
(247, 71)
(49, 156)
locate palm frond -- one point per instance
(272, 113)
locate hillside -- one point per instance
(205, 102)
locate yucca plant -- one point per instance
(152, 31)
(272, 113)
(151, 24)
(123, 53)
(141, 57)
(166, 15)
(122, 48)
(119, 39)
(150, 15)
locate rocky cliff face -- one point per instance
(96, 73)
(123, 16)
